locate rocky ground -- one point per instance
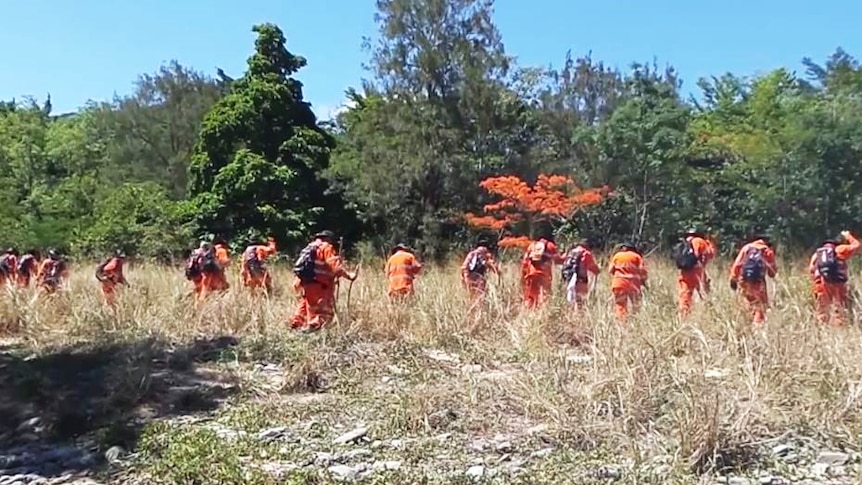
(367, 414)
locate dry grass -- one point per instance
(695, 397)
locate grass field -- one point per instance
(227, 394)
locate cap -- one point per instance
(327, 234)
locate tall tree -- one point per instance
(256, 164)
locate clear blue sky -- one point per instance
(90, 49)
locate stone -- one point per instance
(782, 450)
(504, 447)
(386, 465)
(833, 458)
(351, 436)
(541, 453)
(360, 453)
(476, 471)
(279, 469)
(323, 458)
(738, 481)
(280, 433)
(345, 472)
(609, 472)
(819, 469)
(115, 454)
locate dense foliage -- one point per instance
(445, 108)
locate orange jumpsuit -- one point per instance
(537, 276)
(48, 284)
(401, 269)
(27, 266)
(112, 275)
(578, 292)
(212, 281)
(12, 263)
(628, 275)
(475, 283)
(694, 279)
(263, 280)
(833, 296)
(317, 303)
(754, 293)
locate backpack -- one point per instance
(684, 255)
(476, 265)
(24, 266)
(100, 270)
(193, 269)
(54, 272)
(5, 268)
(538, 252)
(829, 266)
(208, 262)
(252, 263)
(304, 267)
(572, 265)
(753, 266)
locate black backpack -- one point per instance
(5, 268)
(476, 265)
(684, 255)
(100, 270)
(753, 266)
(193, 268)
(572, 266)
(304, 268)
(829, 266)
(24, 266)
(208, 261)
(252, 263)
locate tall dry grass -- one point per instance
(704, 392)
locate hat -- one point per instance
(52, 253)
(327, 234)
(691, 231)
(629, 245)
(401, 247)
(119, 254)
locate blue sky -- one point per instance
(90, 49)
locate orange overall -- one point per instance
(27, 267)
(263, 279)
(51, 274)
(112, 275)
(578, 289)
(754, 292)
(401, 269)
(317, 303)
(831, 298)
(537, 274)
(628, 275)
(694, 279)
(477, 283)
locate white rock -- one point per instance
(542, 453)
(441, 356)
(578, 359)
(505, 447)
(344, 472)
(833, 458)
(386, 465)
(738, 481)
(782, 450)
(471, 368)
(360, 453)
(351, 436)
(819, 469)
(476, 471)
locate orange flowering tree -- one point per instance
(552, 199)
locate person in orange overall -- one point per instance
(537, 267)
(628, 279)
(401, 269)
(694, 253)
(218, 279)
(254, 273)
(193, 270)
(8, 266)
(316, 282)
(27, 267)
(829, 272)
(579, 262)
(754, 262)
(52, 272)
(475, 268)
(110, 274)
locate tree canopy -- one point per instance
(445, 117)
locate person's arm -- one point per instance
(850, 247)
(590, 263)
(736, 267)
(771, 267)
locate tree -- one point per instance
(522, 209)
(256, 164)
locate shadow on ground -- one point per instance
(59, 411)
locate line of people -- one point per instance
(22, 270)
(753, 264)
(319, 267)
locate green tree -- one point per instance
(256, 165)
